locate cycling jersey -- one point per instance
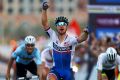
(103, 63)
(62, 51)
(62, 54)
(21, 55)
(46, 57)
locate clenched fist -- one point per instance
(86, 30)
(45, 6)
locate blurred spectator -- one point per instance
(80, 51)
(103, 44)
(82, 5)
(93, 52)
(118, 37)
(3, 59)
(118, 48)
(13, 44)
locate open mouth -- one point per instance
(61, 29)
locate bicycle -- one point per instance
(28, 78)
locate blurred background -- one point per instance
(19, 18)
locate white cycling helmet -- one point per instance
(30, 40)
(111, 54)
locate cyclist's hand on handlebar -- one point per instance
(45, 6)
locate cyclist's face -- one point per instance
(30, 47)
(61, 29)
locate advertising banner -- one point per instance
(104, 2)
(105, 24)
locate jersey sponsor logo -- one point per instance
(58, 48)
(26, 58)
(108, 65)
(66, 44)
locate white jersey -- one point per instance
(62, 52)
(46, 57)
(103, 63)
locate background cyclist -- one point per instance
(27, 58)
(107, 63)
(47, 62)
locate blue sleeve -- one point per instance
(38, 57)
(16, 52)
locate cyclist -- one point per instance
(47, 62)
(27, 57)
(107, 63)
(62, 45)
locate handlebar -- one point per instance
(28, 78)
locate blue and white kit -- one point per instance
(21, 55)
(62, 55)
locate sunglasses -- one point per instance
(61, 24)
(30, 45)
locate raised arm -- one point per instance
(44, 15)
(83, 36)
